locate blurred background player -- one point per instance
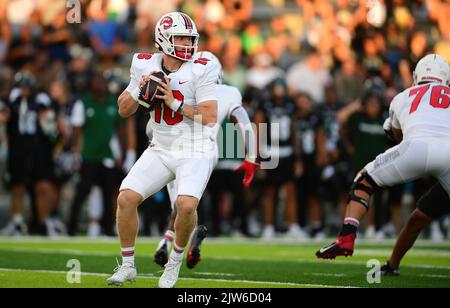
(418, 122)
(230, 110)
(276, 110)
(95, 120)
(311, 158)
(32, 132)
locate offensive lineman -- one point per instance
(178, 149)
(229, 107)
(419, 120)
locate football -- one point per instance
(147, 96)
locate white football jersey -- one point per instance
(422, 111)
(228, 99)
(193, 83)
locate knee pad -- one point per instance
(359, 185)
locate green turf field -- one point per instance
(37, 262)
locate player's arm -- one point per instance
(204, 112)
(398, 135)
(128, 100)
(240, 118)
(392, 125)
(77, 121)
(295, 139)
(321, 141)
(61, 127)
(4, 113)
(127, 104)
(259, 118)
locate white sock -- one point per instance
(169, 236)
(177, 252)
(351, 221)
(128, 255)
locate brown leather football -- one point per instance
(147, 95)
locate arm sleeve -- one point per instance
(78, 116)
(248, 134)
(235, 100)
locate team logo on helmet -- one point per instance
(167, 22)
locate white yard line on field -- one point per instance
(436, 276)
(215, 274)
(151, 276)
(324, 274)
(414, 252)
(424, 266)
(76, 252)
(421, 252)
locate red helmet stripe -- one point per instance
(187, 21)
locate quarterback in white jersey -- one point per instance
(420, 121)
(229, 107)
(189, 96)
(192, 83)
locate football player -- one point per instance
(31, 129)
(183, 141)
(229, 107)
(419, 123)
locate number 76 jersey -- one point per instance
(422, 111)
(193, 83)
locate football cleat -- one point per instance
(162, 253)
(14, 229)
(123, 273)
(342, 247)
(387, 270)
(193, 256)
(170, 276)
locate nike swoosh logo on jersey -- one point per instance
(183, 82)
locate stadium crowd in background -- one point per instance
(325, 71)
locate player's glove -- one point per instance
(388, 128)
(249, 168)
